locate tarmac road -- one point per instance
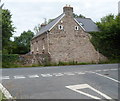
(63, 82)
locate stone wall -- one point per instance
(39, 44)
(71, 45)
(37, 59)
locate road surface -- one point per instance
(62, 82)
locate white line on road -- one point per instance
(19, 77)
(46, 75)
(33, 76)
(5, 77)
(5, 92)
(58, 74)
(113, 69)
(98, 70)
(69, 73)
(80, 73)
(77, 88)
(107, 77)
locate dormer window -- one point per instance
(60, 27)
(81, 23)
(76, 28)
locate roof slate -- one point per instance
(49, 26)
(88, 25)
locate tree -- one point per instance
(78, 16)
(7, 30)
(108, 39)
(22, 43)
(38, 27)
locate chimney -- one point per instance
(119, 7)
(68, 10)
(43, 25)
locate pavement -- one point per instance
(62, 82)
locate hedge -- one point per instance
(9, 60)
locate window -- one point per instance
(60, 27)
(81, 23)
(61, 21)
(77, 28)
(43, 47)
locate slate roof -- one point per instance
(88, 25)
(49, 26)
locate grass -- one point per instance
(16, 65)
(2, 97)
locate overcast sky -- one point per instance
(26, 14)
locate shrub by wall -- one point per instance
(9, 60)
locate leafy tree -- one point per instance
(78, 16)
(7, 29)
(22, 43)
(108, 39)
(37, 28)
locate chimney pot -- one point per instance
(68, 10)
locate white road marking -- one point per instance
(33, 76)
(58, 74)
(5, 77)
(46, 75)
(98, 70)
(77, 88)
(5, 92)
(106, 69)
(113, 69)
(88, 71)
(80, 72)
(55, 74)
(108, 77)
(19, 77)
(69, 73)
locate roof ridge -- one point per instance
(49, 26)
(83, 18)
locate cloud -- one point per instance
(28, 13)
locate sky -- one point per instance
(26, 14)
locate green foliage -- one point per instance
(78, 16)
(7, 30)
(21, 44)
(9, 60)
(108, 39)
(37, 28)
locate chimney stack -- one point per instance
(43, 25)
(68, 10)
(119, 7)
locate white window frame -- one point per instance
(77, 28)
(60, 27)
(81, 23)
(43, 47)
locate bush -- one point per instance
(9, 60)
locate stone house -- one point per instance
(67, 39)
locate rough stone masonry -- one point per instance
(67, 39)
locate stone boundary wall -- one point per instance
(34, 59)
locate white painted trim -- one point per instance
(79, 24)
(56, 22)
(5, 92)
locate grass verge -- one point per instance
(2, 97)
